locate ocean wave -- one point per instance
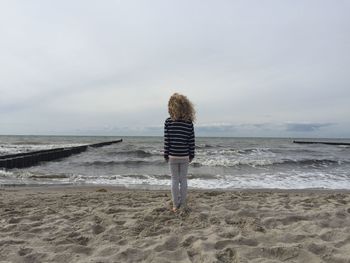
(29, 143)
(4, 173)
(266, 162)
(231, 163)
(49, 176)
(253, 150)
(237, 152)
(311, 162)
(133, 153)
(190, 176)
(122, 162)
(223, 162)
(204, 146)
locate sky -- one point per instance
(252, 68)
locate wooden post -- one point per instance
(22, 160)
(322, 142)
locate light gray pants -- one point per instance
(178, 169)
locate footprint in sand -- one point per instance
(341, 214)
(35, 257)
(319, 249)
(24, 251)
(11, 242)
(81, 249)
(78, 238)
(214, 220)
(122, 242)
(293, 219)
(14, 220)
(239, 240)
(35, 218)
(189, 241)
(132, 255)
(120, 222)
(170, 244)
(223, 243)
(281, 253)
(228, 255)
(97, 229)
(228, 232)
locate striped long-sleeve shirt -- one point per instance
(179, 139)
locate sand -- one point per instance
(93, 224)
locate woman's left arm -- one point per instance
(191, 143)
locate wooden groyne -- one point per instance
(22, 160)
(329, 143)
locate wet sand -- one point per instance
(109, 224)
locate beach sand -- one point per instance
(95, 224)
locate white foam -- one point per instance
(4, 173)
(287, 180)
(231, 162)
(244, 181)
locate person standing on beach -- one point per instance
(179, 145)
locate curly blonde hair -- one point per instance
(181, 108)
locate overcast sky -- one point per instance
(252, 68)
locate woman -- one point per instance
(179, 145)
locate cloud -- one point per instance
(306, 127)
(79, 66)
(216, 128)
(238, 129)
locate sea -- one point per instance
(220, 163)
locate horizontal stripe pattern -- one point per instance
(179, 138)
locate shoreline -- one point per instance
(155, 188)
